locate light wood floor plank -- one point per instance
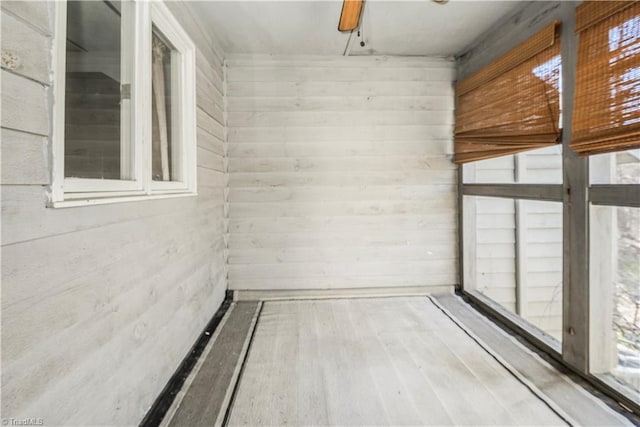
(378, 361)
(513, 406)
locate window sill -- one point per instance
(119, 199)
(535, 335)
(620, 388)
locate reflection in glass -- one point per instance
(165, 166)
(541, 166)
(93, 103)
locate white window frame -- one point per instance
(136, 138)
(183, 80)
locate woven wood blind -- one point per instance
(606, 108)
(513, 104)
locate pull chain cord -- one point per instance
(347, 48)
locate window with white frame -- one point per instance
(124, 103)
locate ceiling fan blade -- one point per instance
(350, 16)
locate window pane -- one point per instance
(615, 293)
(540, 252)
(499, 170)
(97, 99)
(622, 167)
(542, 166)
(165, 118)
(517, 257)
(495, 251)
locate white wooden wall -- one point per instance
(340, 173)
(99, 304)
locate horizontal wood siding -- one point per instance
(340, 173)
(496, 247)
(543, 265)
(100, 304)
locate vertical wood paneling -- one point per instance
(100, 304)
(340, 173)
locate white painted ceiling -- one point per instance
(419, 27)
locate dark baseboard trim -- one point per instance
(165, 399)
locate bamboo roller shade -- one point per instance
(513, 104)
(606, 113)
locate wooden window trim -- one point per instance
(185, 72)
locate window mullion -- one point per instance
(143, 103)
(615, 194)
(127, 140)
(575, 301)
(59, 68)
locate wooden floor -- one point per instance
(370, 361)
